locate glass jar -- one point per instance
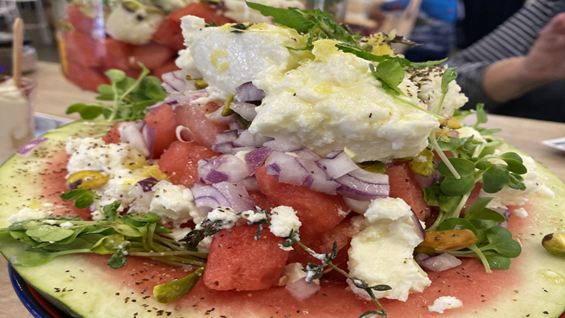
(98, 35)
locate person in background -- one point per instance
(434, 28)
(519, 68)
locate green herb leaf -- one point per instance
(115, 75)
(494, 178)
(459, 224)
(463, 166)
(448, 76)
(87, 112)
(498, 262)
(49, 233)
(479, 210)
(292, 17)
(501, 241)
(481, 115)
(171, 291)
(120, 257)
(126, 230)
(110, 211)
(457, 187)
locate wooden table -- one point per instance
(55, 94)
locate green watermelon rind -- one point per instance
(93, 293)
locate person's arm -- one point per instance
(545, 62)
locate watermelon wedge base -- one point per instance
(84, 286)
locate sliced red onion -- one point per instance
(283, 145)
(189, 136)
(222, 168)
(27, 149)
(147, 184)
(174, 81)
(318, 180)
(249, 139)
(305, 153)
(356, 205)
(420, 257)
(225, 136)
(189, 96)
(247, 92)
(230, 148)
(245, 110)
(130, 132)
(363, 185)
(217, 117)
(440, 263)
(506, 214)
(338, 164)
(223, 194)
(301, 289)
(286, 167)
(250, 184)
(418, 228)
(255, 158)
(149, 133)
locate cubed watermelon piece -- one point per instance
(403, 185)
(238, 261)
(116, 54)
(261, 200)
(113, 136)
(153, 55)
(165, 121)
(85, 77)
(79, 21)
(193, 116)
(82, 50)
(170, 66)
(169, 32)
(318, 212)
(180, 161)
(323, 243)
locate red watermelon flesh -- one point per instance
(180, 162)
(238, 261)
(112, 136)
(261, 200)
(169, 32)
(323, 243)
(85, 77)
(404, 186)
(193, 116)
(164, 120)
(318, 212)
(169, 66)
(82, 50)
(116, 54)
(153, 55)
(78, 20)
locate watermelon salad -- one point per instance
(289, 168)
(95, 37)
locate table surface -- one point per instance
(55, 94)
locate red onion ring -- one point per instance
(27, 149)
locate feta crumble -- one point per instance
(174, 203)
(283, 221)
(521, 213)
(382, 253)
(227, 217)
(445, 302)
(26, 214)
(66, 225)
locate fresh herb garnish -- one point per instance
(130, 97)
(83, 197)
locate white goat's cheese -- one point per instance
(382, 252)
(283, 221)
(173, 203)
(445, 302)
(26, 214)
(521, 213)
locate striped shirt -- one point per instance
(513, 38)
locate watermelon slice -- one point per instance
(193, 116)
(153, 55)
(86, 287)
(404, 186)
(78, 20)
(164, 121)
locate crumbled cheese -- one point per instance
(26, 214)
(174, 203)
(133, 26)
(466, 131)
(283, 221)
(256, 217)
(545, 191)
(97, 216)
(66, 224)
(445, 302)
(51, 222)
(382, 253)
(226, 216)
(521, 213)
(94, 154)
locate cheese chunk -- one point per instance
(382, 252)
(227, 59)
(335, 102)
